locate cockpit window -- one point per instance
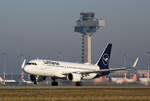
(31, 63)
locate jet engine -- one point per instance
(39, 78)
(74, 77)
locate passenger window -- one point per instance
(35, 64)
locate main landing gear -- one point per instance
(78, 83)
(54, 83)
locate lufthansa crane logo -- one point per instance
(105, 59)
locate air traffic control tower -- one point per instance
(87, 25)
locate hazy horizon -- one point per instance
(45, 29)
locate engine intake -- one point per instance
(74, 77)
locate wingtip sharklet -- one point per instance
(135, 63)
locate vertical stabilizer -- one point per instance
(103, 61)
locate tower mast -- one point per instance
(87, 25)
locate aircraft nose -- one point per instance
(27, 69)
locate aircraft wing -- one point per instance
(105, 70)
(99, 71)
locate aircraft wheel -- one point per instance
(35, 82)
(54, 83)
(78, 84)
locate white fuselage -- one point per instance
(58, 69)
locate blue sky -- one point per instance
(44, 29)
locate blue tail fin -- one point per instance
(103, 62)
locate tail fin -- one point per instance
(103, 61)
(136, 61)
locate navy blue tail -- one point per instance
(103, 62)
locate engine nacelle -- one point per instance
(40, 78)
(74, 77)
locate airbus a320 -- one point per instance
(39, 69)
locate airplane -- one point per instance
(26, 82)
(40, 69)
(2, 81)
(120, 80)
